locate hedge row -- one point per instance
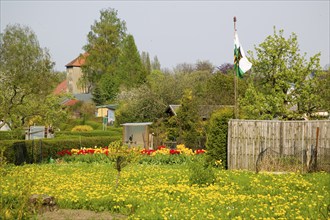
(41, 150)
(95, 133)
(8, 135)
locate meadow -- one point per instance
(149, 191)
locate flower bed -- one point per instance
(162, 155)
(164, 192)
(180, 149)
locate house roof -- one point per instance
(70, 102)
(172, 109)
(205, 111)
(79, 61)
(61, 88)
(110, 106)
(85, 97)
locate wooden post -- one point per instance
(316, 146)
(235, 78)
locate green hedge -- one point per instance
(9, 135)
(37, 151)
(96, 133)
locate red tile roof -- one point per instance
(79, 61)
(70, 102)
(61, 88)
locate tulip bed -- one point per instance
(161, 155)
(164, 192)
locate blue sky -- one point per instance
(175, 31)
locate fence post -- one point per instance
(229, 144)
(40, 145)
(32, 146)
(281, 138)
(316, 146)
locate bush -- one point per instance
(82, 128)
(217, 133)
(200, 173)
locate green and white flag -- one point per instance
(241, 63)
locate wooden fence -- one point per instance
(249, 140)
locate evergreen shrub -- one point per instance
(82, 128)
(217, 133)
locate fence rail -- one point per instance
(251, 141)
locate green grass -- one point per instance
(164, 191)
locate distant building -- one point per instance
(107, 111)
(74, 73)
(4, 126)
(62, 88)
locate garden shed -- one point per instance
(106, 111)
(137, 134)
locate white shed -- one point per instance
(137, 134)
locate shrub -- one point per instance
(200, 172)
(217, 133)
(82, 128)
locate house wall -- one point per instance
(73, 76)
(111, 115)
(102, 112)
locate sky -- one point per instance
(175, 31)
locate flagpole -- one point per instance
(235, 78)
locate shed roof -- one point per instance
(137, 124)
(205, 111)
(172, 109)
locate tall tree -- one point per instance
(282, 77)
(26, 77)
(146, 61)
(204, 65)
(155, 64)
(184, 68)
(324, 80)
(226, 68)
(98, 97)
(104, 46)
(130, 71)
(189, 121)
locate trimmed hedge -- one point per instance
(9, 135)
(40, 150)
(96, 133)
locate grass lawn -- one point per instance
(164, 192)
